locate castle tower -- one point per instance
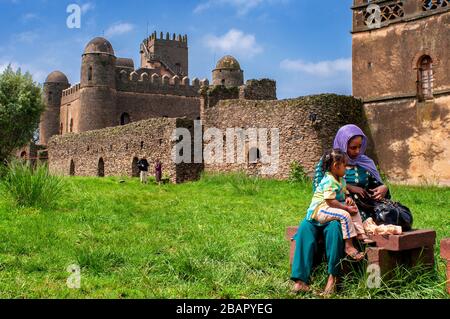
(98, 86)
(55, 83)
(228, 72)
(401, 63)
(170, 51)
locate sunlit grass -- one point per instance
(221, 237)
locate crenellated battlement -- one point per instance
(71, 94)
(141, 81)
(167, 37)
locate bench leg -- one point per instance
(385, 260)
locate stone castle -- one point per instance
(401, 86)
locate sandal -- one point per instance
(357, 255)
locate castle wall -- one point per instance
(143, 106)
(306, 127)
(119, 147)
(142, 81)
(412, 139)
(385, 60)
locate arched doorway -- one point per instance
(23, 155)
(134, 168)
(72, 168)
(101, 168)
(125, 119)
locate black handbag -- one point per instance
(388, 212)
(385, 212)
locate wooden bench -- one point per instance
(409, 249)
(445, 254)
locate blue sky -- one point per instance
(304, 45)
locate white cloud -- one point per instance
(87, 7)
(26, 37)
(321, 68)
(242, 6)
(234, 42)
(119, 29)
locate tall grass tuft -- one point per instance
(31, 186)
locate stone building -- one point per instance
(401, 85)
(401, 71)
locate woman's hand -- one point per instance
(358, 190)
(379, 192)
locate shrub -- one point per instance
(298, 174)
(31, 187)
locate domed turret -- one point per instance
(228, 63)
(98, 86)
(228, 72)
(54, 84)
(57, 77)
(99, 45)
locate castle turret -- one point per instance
(98, 86)
(228, 72)
(168, 53)
(55, 83)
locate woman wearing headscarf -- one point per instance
(362, 177)
(364, 181)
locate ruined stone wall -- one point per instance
(306, 126)
(119, 148)
(264, 89)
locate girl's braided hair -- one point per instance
(332, 156)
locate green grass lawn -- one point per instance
(221, 237)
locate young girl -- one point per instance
(330, 202)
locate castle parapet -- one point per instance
(71, 94)
(140, 81)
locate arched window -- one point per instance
(90, 74)
(125, 119)
(61, 129)
(71, 125)
(425, 78)
(50, 96)
(134, 168)
(101, 168)
(72, 168)
(254, 155)
(23, 155)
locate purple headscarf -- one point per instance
(343, 136)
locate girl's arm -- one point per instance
(336, 204)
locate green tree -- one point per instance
(21, 106)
